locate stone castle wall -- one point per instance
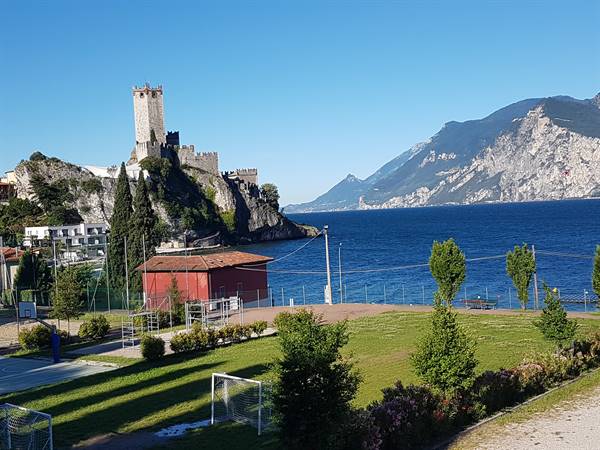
(248, 176)
(145, 149)
(207, 161)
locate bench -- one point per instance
(480, 303)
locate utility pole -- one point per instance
(328, 297)
(107, 274)
(340, 261)
(535, 281)
(126, 275)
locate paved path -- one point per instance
(17, 374)
(572, 425)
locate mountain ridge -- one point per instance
(563, 129)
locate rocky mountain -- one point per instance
(185, 199)
(535, 149)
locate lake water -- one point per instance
(376, 244)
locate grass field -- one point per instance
(143, 396)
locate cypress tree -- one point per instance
(142, 232)
(520, 266)
(119, 230)
(596, 272)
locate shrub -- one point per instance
(258, 327)
(245, 331)
(493, 391)
(212, 337)
(227, 333)
(95, 328)
(38, 337)
(407, 417)
(532, 378)
(153, 347)
(553, 322)
(314, 385)
(35, 338)
(183, 343)
(445, 356)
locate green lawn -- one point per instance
(152, 396)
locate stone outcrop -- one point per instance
(256, 220)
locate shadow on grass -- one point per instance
(120, 401)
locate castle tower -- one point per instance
(149, 119)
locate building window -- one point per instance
(222, 292)
(141, 94)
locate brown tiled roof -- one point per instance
(201, 263)
(11, 254)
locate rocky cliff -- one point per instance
(536, 149)
(240, 214)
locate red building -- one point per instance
(203, 277)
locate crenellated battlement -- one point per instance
(207, 161)
(248, 176)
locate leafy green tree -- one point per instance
(520, 266)
(315, 385)
(33, 274)
(553, 322)
(448, 267)
(142, 233)
(67, 299)
(596, 273)
(270, 193)
(445, 356)
(119, 230)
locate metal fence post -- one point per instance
(423, 289)
(282, 298)
(509, 299)
(303, 295)
(403, 298)
(384, 295)
(366, 295)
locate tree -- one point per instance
(445, 356)
(67, 299)
(448, 267)
(520, 266)
(315, 385)
(270, 193)
(33, 274)
(142, 232)
(596, 272)
(553, 322)
(119, 230)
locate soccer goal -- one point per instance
(24, 429)
(241, 400)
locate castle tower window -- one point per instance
(141, 94)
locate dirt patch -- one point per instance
(116, 441)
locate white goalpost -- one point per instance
(24, 429)
(241, 400)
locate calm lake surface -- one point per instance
(375, 243)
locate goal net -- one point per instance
(24, 429)
(240, 400)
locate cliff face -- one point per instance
(93, 197)
(536, 149)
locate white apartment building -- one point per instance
(88, 236)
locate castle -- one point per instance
(151, 139)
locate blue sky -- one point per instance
(305, 91)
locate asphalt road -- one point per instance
(17, 374)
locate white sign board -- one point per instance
(27, 310)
